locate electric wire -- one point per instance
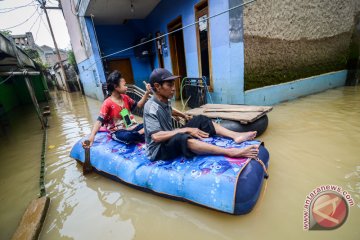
(37, 31)
(171, 32)
(15, 8)
(34, 23)
(42, 20)
(12, 8)
(21, 22)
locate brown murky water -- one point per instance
(312, 141)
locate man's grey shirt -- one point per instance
(157, 117)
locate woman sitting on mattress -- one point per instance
(115, 112)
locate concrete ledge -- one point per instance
(274, 94)
(32, 220)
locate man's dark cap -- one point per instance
(160, 75)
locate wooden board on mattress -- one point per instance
(242, 113)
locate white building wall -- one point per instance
(76, 36)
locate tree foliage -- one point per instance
(72, 61)
(71, 58)
(32, 53)
(6, 33)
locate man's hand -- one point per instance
(177, 118)
(187, 117)
(195, 132)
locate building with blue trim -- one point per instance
(231, 49)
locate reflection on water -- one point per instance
(312, 141)
(20, 150)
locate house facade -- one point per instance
(235, 49)
(47, 54)
(58, 76)
(24, 40)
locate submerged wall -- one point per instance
(8, 97)
(14, 92)
(271, 95)
(288, 40)
(89, 75)
(91, 71)
(86, 51)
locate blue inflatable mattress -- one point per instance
(221, 183)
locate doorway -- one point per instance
(203, 42)
(177, 52)
(159, 50)
(124, 66)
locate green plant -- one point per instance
(71, 58)
(32, 53)
(6, 33)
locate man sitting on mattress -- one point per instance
(166, 143)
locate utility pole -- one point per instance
(42, 3)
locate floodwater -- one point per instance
(312, 141)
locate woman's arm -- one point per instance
(143, 100)
(95, 129)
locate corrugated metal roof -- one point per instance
(13, 57)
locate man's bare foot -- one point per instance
(245, 136)
(249, 152)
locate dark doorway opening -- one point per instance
(203, 41)
(124, 66)
(159, 50)
(177, 52)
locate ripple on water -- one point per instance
(312, 142)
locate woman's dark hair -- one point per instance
(113, 81)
